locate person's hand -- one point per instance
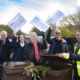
(58, 54)
(65, 55)
(51, 25)
(14, 33)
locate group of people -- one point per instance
(24, 51)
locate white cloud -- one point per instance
(7, 1)
(78, 3)
(1, 7)
(48, 8)
(13, 11)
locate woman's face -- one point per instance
(21, 38)
(33, 38)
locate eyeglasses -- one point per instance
(58, 33)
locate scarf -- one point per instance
(36, 50)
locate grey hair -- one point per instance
(3, 31)
(56, 30)
(32, 33)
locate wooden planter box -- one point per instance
(61, 70)
(13, 71)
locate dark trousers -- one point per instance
(1, 73)
(76, 77)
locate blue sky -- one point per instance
(30, 3)
(30, 8)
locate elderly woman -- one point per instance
(32, 49)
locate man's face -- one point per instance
(58, 34)
(78, 36)
(3, 36)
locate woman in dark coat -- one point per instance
(18, 46)
(32, 49)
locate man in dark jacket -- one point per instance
(75, 55)
(57, 44)
(5, 49)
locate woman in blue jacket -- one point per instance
(18, 46)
